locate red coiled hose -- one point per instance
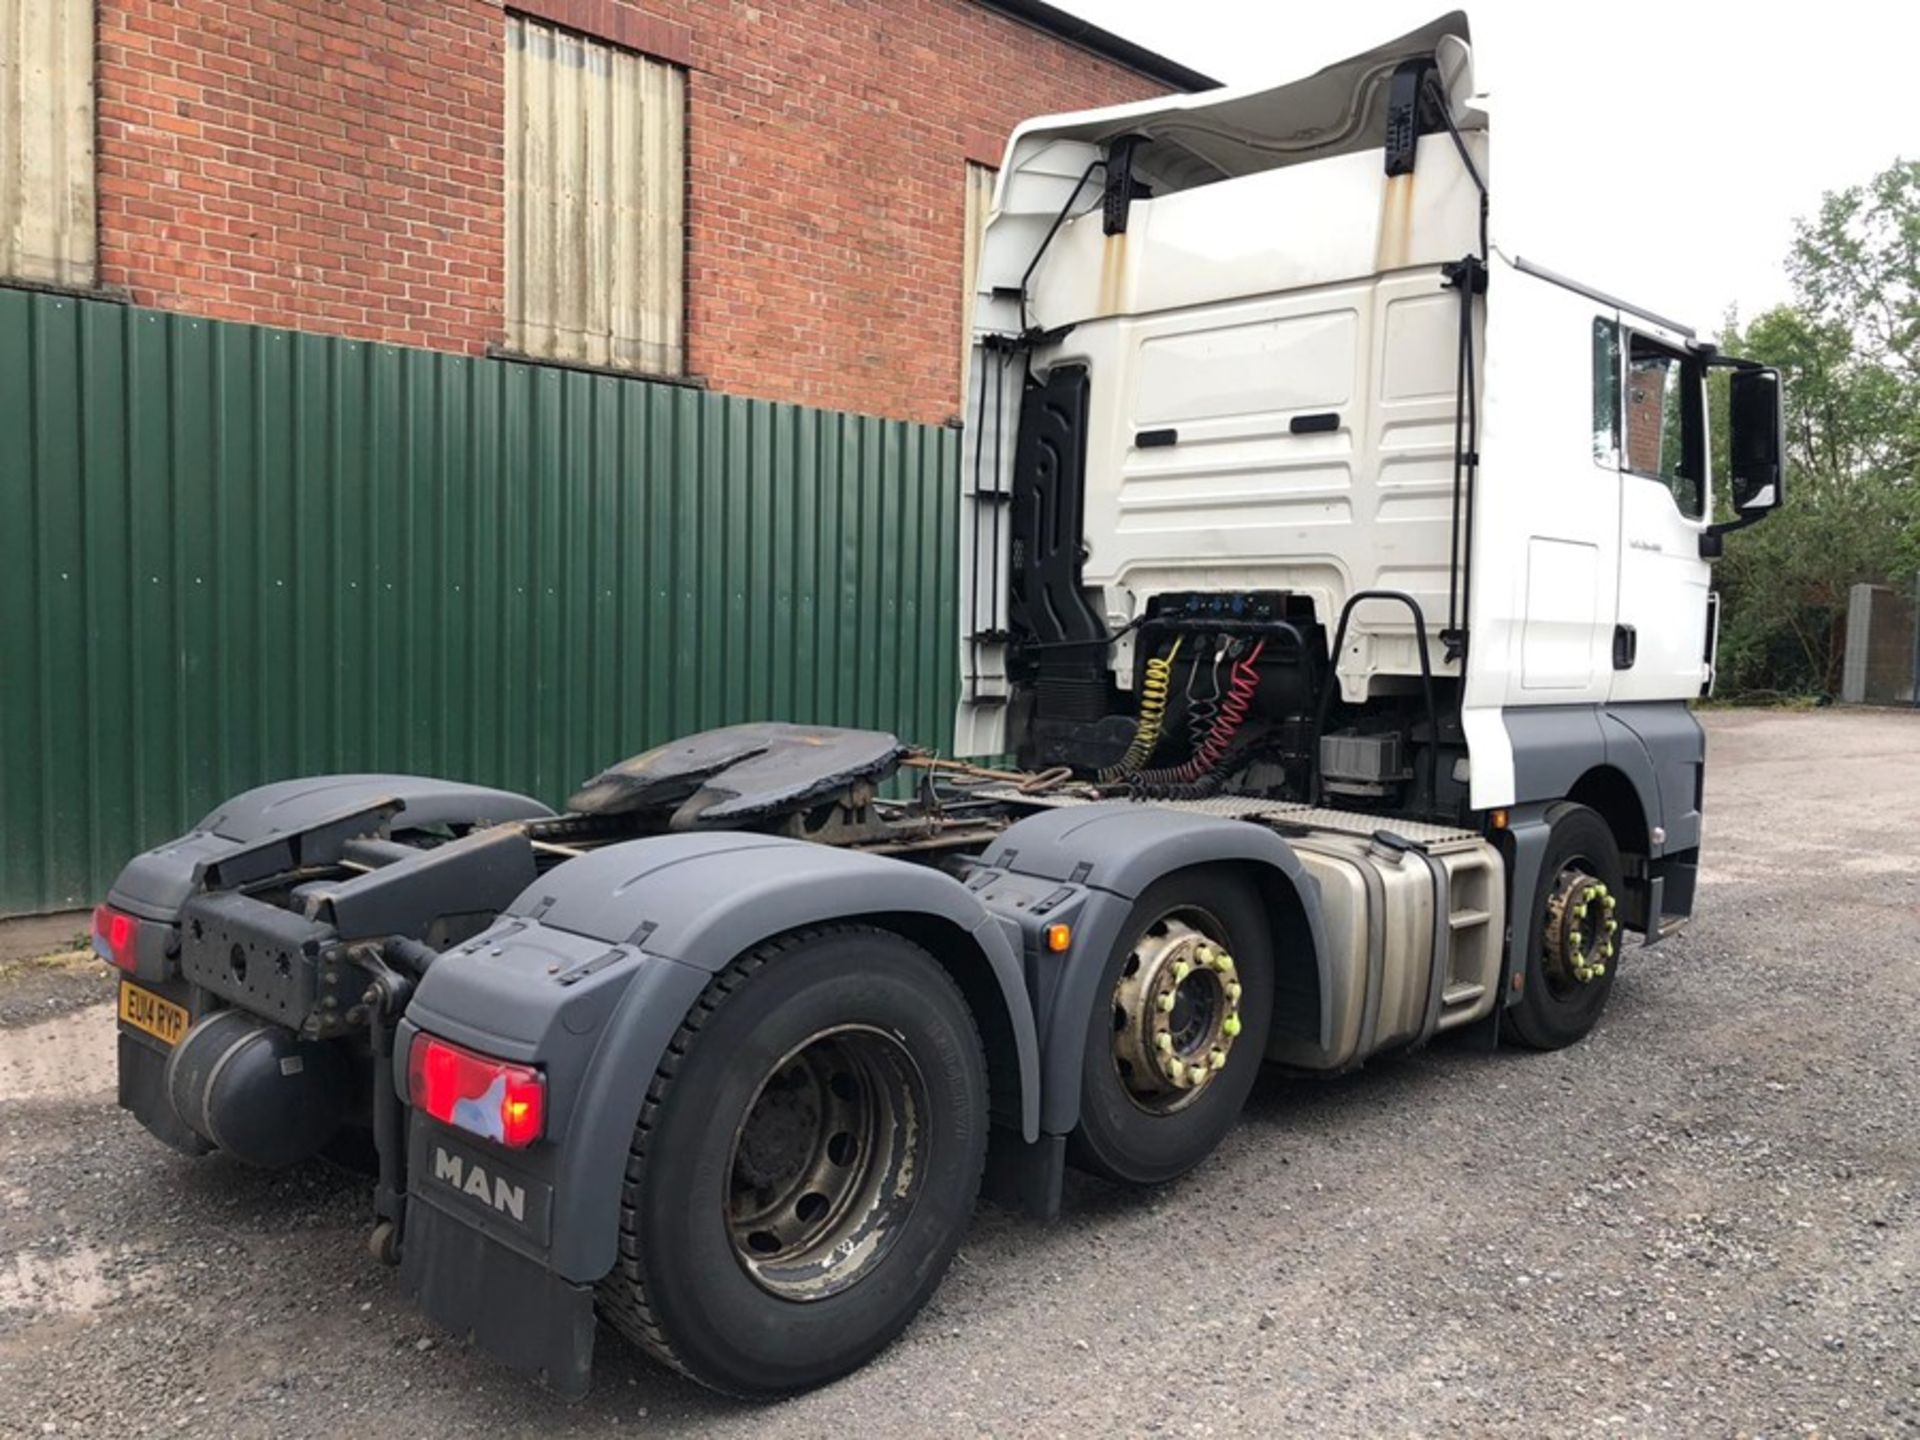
(1241, 686)
(1242, 683)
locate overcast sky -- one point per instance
(1762, 106)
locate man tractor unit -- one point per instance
(1334, 582)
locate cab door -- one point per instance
(1548, 508)
(1659, 645)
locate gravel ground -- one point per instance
(44, 986)
(1704, 1221)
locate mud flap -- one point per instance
(143, 1091)
(512, 1307)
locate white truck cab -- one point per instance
(1274, 356)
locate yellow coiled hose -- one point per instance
(1153, 709)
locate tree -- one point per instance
(1848, 349)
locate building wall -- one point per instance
(1646, 418)
(340, 168)
(331, 167)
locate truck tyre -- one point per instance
(804, 1165)
(1179, 1025)
(1573, 938)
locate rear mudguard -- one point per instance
(592, 969)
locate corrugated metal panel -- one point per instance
(46, 140)
(234, 554)
(980, 180)
(596, 184)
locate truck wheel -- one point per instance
(1179, 1026)
(1574, 940)
(804, 1165)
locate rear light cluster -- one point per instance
(494, 1099)
(115, 934)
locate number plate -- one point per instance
(144, 1010)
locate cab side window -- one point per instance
(1662, 430)
(1606, 393)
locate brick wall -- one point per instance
(330, 167)
(338, 167)
(1646, 417)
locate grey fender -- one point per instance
(1657, 750)
(1657, 745)
(670, 912)
(155, 884)
(1108, 853)
(1668, 747)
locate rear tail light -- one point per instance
(115, 934)
(494, 1099)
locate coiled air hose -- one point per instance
(1242, 684)
(1153, 708)
(1241, 688)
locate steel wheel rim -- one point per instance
(1176, 1011)
(827, 1162)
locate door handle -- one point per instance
(1626, 646)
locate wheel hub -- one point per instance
(1580, 927)
(827, 1163)
(1176, 1013)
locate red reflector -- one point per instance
(114, 934)
(499, 1101)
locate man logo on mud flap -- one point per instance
(473, 1180)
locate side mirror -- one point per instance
(1755, 448)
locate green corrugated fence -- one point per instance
(231, 554)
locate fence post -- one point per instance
(1913, 670)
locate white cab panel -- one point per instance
(1224, 315)
(1547, 514)
(1563, 595)
(1239, 370)
(1663, 594)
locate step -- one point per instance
(1467, 919)
(1670, 925)
(1462, 993)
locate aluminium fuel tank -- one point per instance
(1413, 926)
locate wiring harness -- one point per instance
(1202, 710)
